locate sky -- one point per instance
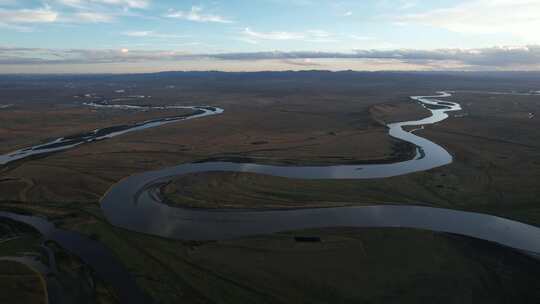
(118, 36)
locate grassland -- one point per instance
(21, 284)
(285, 126)
(306, 118)
(312, 118)
(42, 278)
(496, 170)
(26, 125)
(347, 266)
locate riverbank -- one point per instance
(289, 134)
(41, 271)
(24, 284)
(347, 265)
(494, 171)
(487, 175)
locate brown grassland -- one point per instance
(309, 118)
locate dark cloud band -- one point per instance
(503, 57)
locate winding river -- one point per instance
(134, 203)
(65, 143)
(103, 262)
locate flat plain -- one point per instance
(292, 119)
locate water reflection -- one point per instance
(134, 203)
(65, 143)
(91, 252)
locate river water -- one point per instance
(101, 260)
(135, 204)
(65, 143)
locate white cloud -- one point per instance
(196, 14)
(520, 18)
(73, 3)
(40, 15)
(124, 3)
(274, 35)
(152, 34)
(139, 33)
(307, 36)
(97, 11)
(92, 17)
(79, 11)
(348, 14)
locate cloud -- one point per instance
(305, 62)
(520, 18)
(152, 34)
(496, 58)
(123, 3)
(139, 33)
(93, 17)
(69, 11)
(22, 56)
(487, 57)
(523, 57)
(196, 15)
(126, 3)
(273, 35)
(348, 14)
(309, 36)
(17, 16)
(97, 11)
